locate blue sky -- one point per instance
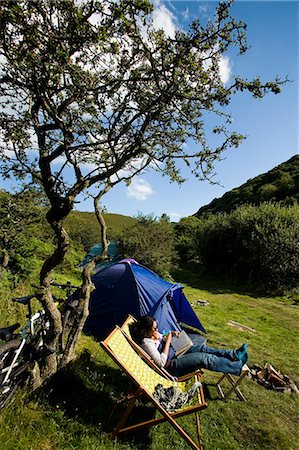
(271, 124)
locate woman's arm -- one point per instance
(167, 345)
(150, 348)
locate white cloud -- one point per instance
(164, 19)
(186, 13)
(224, 68)
(204, 9)
(140, 189)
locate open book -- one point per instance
(181, 343)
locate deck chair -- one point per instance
(233, 380)
(145, 379)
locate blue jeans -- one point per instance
(204, 357)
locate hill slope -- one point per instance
(83, 226)
(281, 184)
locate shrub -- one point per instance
(254, 243)
(185, 243)
(150, 242)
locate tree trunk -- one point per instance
(5, 258)
(52, 358)
(102, 223)
(80, 315)
(82, 311)
(49, 360)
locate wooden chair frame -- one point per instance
(235, 382)
(142, 390)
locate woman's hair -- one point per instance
(140, 329)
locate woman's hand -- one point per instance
(175, 333)
(167, 344)
(168, 337)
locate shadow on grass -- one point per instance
(193, 276)
(86, 392)
(210, 391)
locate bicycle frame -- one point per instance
(24, 336)
(13, 363)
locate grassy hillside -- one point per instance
(115, 222)
(28, 239)
(280, 184)
(71, 412)
(84, 228)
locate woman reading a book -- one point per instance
(145, 333)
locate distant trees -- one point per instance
(254, 244)
(280, 184)
(93, 95)
(186, 239)
(151, 242)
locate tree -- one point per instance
(17, 212)
(253, 244)
(164, 218)
(186, 238)
(92, 95)
(267, 192)
(150, 242)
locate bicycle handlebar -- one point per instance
(68, 285)
(59, 285)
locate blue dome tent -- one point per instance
(127, 287)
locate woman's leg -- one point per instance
(192, 361)
(230, 354)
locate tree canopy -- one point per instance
(151, 241)
(18, 212)
(93, 87)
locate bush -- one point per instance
(185, 243)
(150, 242)
(258, 244)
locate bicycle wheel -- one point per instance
(18, 374)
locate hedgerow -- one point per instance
(258, 244)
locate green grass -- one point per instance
(71, 412)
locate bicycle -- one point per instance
(21, 350)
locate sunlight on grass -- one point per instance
(71, 412)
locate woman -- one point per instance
(145, 333)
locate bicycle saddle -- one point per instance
(23, 300)
(6, 333)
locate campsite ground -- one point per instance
(71, 413)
